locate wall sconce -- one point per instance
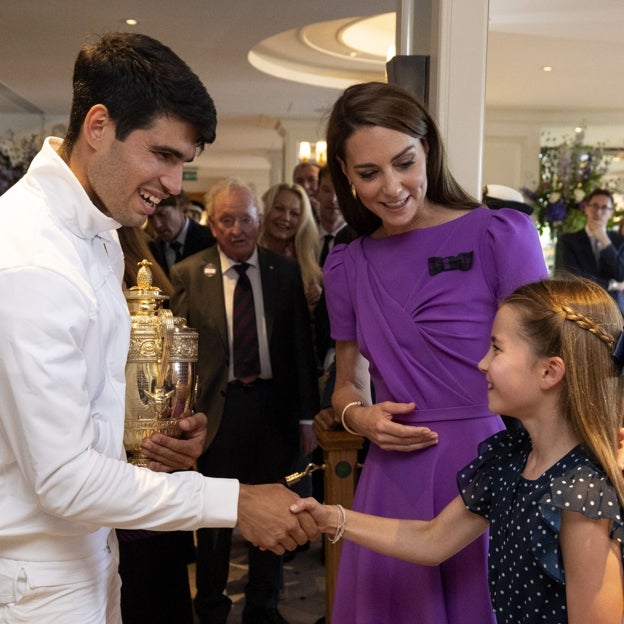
(305, 150)
(319, 149)
(320, 152)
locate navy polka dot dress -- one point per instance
(526, 576)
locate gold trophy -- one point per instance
(160, 370)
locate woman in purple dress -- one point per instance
(411, 304)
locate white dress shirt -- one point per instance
(64, 339)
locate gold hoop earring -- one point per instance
(353, 191)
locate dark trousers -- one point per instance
(213, 559)
(253, 445)
(154, 574)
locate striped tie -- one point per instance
(245, 338)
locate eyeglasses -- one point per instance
(600, 207)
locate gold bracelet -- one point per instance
(342, 417)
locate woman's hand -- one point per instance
(313, 294)
(376, 423)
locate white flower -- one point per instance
(579, 195)
(554, 197)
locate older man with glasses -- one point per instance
(595, 252)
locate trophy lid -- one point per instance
(144, 299)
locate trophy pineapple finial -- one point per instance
(144, 275)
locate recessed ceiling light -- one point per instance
(132, 22)
(547, 68)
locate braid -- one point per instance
(592, 390)
(587, 324)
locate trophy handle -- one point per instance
(166, 329)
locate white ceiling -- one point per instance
(582, 40)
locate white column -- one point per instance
(454, 34)
(459, 37)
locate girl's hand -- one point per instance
(325, 516)
(376, 423)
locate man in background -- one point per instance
(595, 252)
(306, 174)
(194, 210)
(333, 230)
(176, 236)
(257, 381)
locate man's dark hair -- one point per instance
(138, 79)
(600, 191)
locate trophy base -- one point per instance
(136, 431)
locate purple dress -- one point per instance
(420, 306)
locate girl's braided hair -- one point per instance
(577, 320)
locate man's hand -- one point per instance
(598, 230)
(265, 520)
(169, 454)
(324, 421)
(307, 440)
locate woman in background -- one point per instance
(289, 229)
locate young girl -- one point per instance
(550, 493)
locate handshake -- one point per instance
(275, 518)
(265, 517)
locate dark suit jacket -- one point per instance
(199, 298)
(575, 254)
(198, 237)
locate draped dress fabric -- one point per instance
(422, 319)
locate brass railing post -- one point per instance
(340, 450)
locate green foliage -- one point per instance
(568, 171)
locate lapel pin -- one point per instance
(210, 270)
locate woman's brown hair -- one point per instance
(388, 106)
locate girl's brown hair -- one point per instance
(577, 320)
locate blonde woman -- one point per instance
(289, 229)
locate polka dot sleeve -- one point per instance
(498, 459)
(584, 489)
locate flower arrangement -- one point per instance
(15, 157)
(568, 172)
